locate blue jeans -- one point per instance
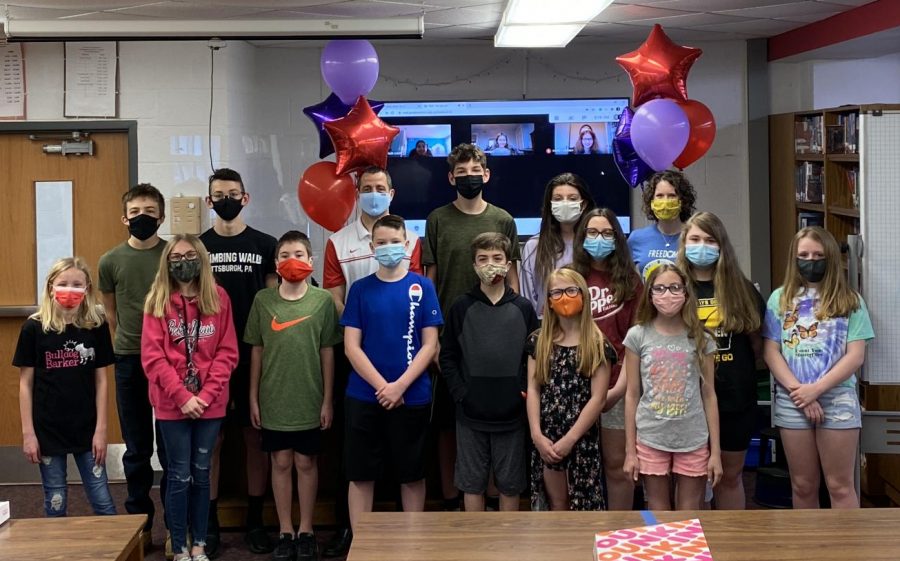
(136, 420)
(189, 447)
(93, 478)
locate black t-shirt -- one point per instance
(63, 397)
(241, 264)
(735, 361)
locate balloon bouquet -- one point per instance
(348, 127)
(666, 128)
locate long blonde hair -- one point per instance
(157, 302)
(836, 298)
(738, 309)
(590, 354)
(647, 312)
(90, 313)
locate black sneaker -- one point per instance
(258, 540)
(339, 544)
(285, 550)
(213, 540)
(306, 547)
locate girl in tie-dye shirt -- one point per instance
(815, 334)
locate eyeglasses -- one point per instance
(675, 288)
(607, 234)
(557, 293)
(176, 257)
(222, 196)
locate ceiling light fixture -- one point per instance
(540, 23)
(202, 30)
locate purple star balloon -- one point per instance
(631, 166)
(332, 109)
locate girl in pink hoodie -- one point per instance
(188, 350)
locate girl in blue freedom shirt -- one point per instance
(391, 325)
(816, 331)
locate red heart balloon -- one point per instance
(360, 139)
(659, 67)
(327, 198)
(703, 132)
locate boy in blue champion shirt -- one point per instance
(391, 325)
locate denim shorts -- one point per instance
(840, 404)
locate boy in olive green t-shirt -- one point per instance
(293, 328)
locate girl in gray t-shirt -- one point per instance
(671, 415)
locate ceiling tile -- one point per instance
(194, 10)
(498, 5)
(81, 6)
(269, 4)
(27, 12)
(719, 5)
(364, 9)
(689, 20)
(465, 16)
(623, 13)
(755, 27)
(460, 32)
(850, 3)
(784, 10)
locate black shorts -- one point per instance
(443, 415)
(380, 442)
(238, 412)
(306, 442)
(736, 429)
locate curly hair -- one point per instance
(683, 189)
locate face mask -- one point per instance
(294, 270)
(69, 297)
(374, 204)
(567, 306)
(185, 270)
(143, 226)
(665, 209)
(701, 255)
(228, 208)
(668, 304)
(599, 247)
(812, 270)
(565, 211)
(469, 186)
(390, 255)
(492, 273)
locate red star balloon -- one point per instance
(360, 139)
(659, 68)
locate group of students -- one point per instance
(621, 359)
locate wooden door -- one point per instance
(98, 183)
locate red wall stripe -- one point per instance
(858, 22)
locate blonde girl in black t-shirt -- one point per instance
(732, 309)
(62, 355)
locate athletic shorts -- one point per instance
(736, 429)
(238, 412)
(306, 442)
(840, 404)
(478, 453)
(380, 441)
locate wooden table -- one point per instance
(752, 535)
(113, 538)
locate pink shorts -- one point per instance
(659, 462)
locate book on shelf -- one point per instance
(808, 135)
(808, 183)
(851, 178)
(805, 219)
(841, 138)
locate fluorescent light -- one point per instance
(535, 36)
(555, 11)
(545, 23)
(137, 30)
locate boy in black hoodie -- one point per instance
(483, 360)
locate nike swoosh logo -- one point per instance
(276, 326)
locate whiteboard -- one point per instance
(879, 225)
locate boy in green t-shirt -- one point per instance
(293, 328)
(447, 258)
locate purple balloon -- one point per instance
(633, 169)
(350, 68)
(332, 109)
(659, 132)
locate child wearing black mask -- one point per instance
(243, 262)
(446, 256)
(126, 273)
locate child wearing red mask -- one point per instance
(671, 414)
(568, 375)
(62, 355)
(292, 328)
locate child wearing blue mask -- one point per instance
(732, 309)
(603, 258)
(391, 325)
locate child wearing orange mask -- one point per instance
(568, 375)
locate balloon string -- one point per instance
(576, 77)
(457, 80)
